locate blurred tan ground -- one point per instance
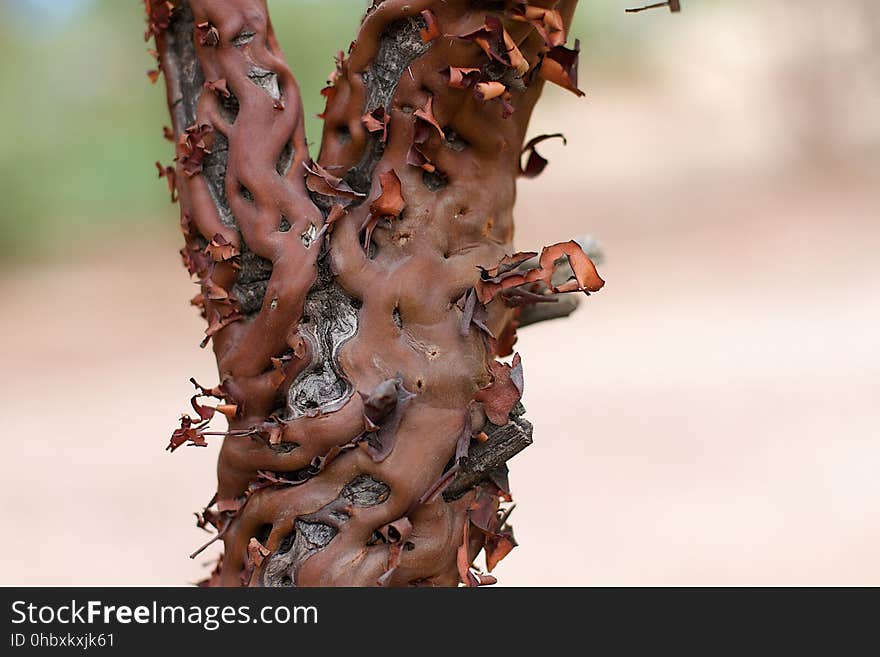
(711, 417)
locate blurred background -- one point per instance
(711, 417)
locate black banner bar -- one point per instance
(129, 621)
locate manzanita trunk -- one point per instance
(358, 303)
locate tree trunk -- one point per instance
(357, 304)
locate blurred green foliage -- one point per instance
(80, 125)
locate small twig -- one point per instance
(674, 6)
(504, 516)
(504, 443)
(220, 534)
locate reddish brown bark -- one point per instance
(357, 304)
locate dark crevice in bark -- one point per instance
(285, 160)
(401, 45)
(181, 47)
(284, 448)
(250, 286)
(263, 533)
(313, 534)
(307, 538)
(266, 80)
(330, 320)
(365, 491)
(229, 107)
(435, 180)
(453, 140)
